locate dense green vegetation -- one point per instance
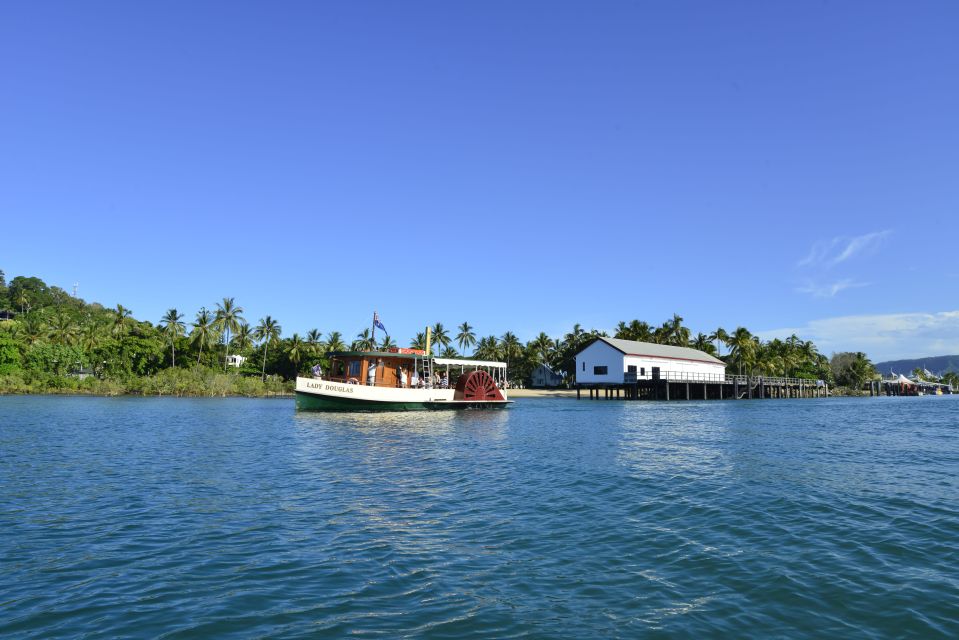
(51, 341)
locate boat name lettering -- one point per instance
(329, 387)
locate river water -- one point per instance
(182, 518)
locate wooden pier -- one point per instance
(676, 386)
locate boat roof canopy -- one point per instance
(470, 363)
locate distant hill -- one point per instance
(936, 364)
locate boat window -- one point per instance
(354, 368)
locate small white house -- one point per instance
(235, 361)
(543, 376)
(611, 361)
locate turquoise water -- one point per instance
(239, 518)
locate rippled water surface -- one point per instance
(240, 518)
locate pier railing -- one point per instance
(694, 376)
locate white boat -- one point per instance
(402, 380)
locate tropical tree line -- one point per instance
(49, 332)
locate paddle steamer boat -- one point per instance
(402, 380)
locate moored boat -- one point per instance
(402, 380)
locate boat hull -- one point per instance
(322, 395)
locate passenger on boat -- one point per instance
(401, 376)
(371, 375)
(317, 371)
(444, 382)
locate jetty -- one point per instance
(672, 385)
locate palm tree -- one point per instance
(419, 342)
(243, 338)
(719, 336)
(387, 344)
(228, 318)
(510, 346)
(90, 336)
(268, 329)
(466, 338)
(678, 333)
(313, 340)
(294, 351)
(487, 348)
(449, 352)
(121, 317)
(542, 348)
(334, 342)
(31, 328)
(63, 330)
(204, 331)
(364, 341)
(172, 325)
(441, 337)
(742, 347)
(23, 300)
(704, 344)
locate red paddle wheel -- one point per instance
(477, 386)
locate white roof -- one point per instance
(634, 348)
(470, 363)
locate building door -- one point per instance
(655, 373)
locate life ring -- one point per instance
(352, 381)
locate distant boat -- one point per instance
(402, 380)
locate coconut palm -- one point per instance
(243, 338)
(541, 348)
(510, 346)
(487, 348)
(228, 319)
(387, 344)
(742, 347)
(313, 340)
(23, 300)
(268, 329)
(90, 336)
(449, 352)
(172, 326)
(204, 333)
(31, 328)
(720, 337)
(295, 350)
(466, 339)
(364, 341)
(419, 342)
(334, 342)
(704, 344)
(441, 337)
(121, 318)
(63, 330)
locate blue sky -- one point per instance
(522, 166)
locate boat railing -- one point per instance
(384, 385)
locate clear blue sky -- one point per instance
(521, 166)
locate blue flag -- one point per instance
(379, 325)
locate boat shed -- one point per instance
(615, 361)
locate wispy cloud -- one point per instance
(829, 253)
(829, 290)
(883, 336)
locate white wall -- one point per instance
(684, 368)
(599, 353)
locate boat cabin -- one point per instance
(406, 368)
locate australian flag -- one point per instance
(378, 324)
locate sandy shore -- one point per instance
(541, 393)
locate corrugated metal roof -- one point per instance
(632, 347)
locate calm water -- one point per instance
(239, 518)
